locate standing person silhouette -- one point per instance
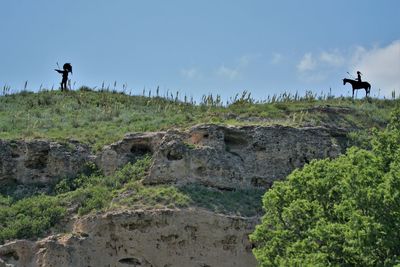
(66, 69)
(358, 76)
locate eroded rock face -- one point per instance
(40, 162)
(216, 156)
(157, 238)
(231, 157)
(132, 147)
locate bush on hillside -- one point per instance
(28, 217)
(35, 215)
(341, 212)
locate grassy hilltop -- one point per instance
(102, 117)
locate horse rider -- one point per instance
(358, 76)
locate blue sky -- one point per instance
(200, 47)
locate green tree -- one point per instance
(340, 212)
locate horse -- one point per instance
(358, 85)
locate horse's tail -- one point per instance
(369, 88)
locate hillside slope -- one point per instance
(185, 187)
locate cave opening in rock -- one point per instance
(138, 151)
(130, 261)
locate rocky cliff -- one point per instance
(221, 157)
(142, 238)
(40, 161)
(217, 156)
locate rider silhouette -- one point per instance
(66, 69)
(358, 76)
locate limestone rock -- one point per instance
(216, 156)
(40, 161)
(231, 157)
(156, 238)
(129, 149)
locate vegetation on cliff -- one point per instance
(340, 212)
(103, 117)
(29, 213)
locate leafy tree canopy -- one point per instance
(340, 212)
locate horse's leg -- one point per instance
(353, 94)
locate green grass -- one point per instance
(102, 117)
(241, 202)
(137, 196)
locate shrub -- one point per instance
(90, 199)
(130, 172)
(138, 196)
(28, 217)
(133, 172)
(87, 193)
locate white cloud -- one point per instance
(380, 66)
(191, 73)
(245, 60)
(230, 73)
(325, 60)
(333, 59)
(357, 54)
(318, 68)
(307, 63)
(235, 72)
